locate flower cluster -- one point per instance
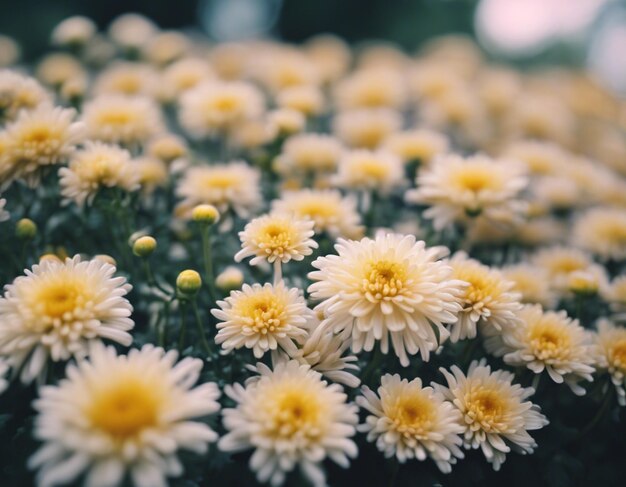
(347, 252)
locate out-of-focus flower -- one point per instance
(371, 88)
(420, 145)
(366, 170)
(532, 283)
(19, 92)
(611, 355)
(74, 31)
(602, 231)
(126, 78)
(366, 128)
(308, 100)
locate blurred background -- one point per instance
(580, 33)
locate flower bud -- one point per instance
(207, 214)
(26, 229)
(188, 282)
(229, 279)
(144, 246)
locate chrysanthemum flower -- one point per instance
(217, 106)
(330, 54)
(308, 100)
(95, 167)
(366, 128)
(73, 31)
(40, 137)
(152, 173)
(550, 341)
(127, 78)
(615, 294)
(233, 186)
(60, 68)
(57, 309)
(456, 188)
(278, 68)
(409, 421)
(496, 414)
(308, 154)
(366, 170)
(421, 145)
(561, 262)
(611, 355)
(290, 417)
(122, 414)
(184, 75)
(540, 158)
(167, 147)
(276, 237)
(602, 231)
(331, 212)
(19, 92)
(391, 287)
(488, 299)
(532, 283)
(128, 120)
(131, 31)
(371, 88)
(262, 318)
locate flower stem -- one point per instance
(183, 325)
(196, 312)
(278, 272)
(208, 262)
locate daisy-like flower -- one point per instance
(611, 355)
(387, 288)
(496, 415)
(456, 188)
(540, 158)
(330, 211)
(550, 341)
(561, 262)
(122, 414)
(95, 167)
(308, 154)
(488, 299)
(126, 78)
(366, 128)
(262, 318)
(19, 92)
(128, 120)
(325, 353)
(184, 75)
(613, 293)
(233, 186)
(73, 31)
(307, 100)
(421, 145)
(152, 173)
(602, 231)
(371, 88)
(39, 138)
(218, 106)
(167, 147)
(532, 283)
(370, 171)
(409, 420)
(57, 309)
(276, 238)
(291, 418)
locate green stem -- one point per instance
(373, 365)
(183, 325)
(208, 262)
(203, 339)
(602, 410)
(151, 278)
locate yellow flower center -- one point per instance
(221, 180)
(276, 238)
(262, 312)
(617, 354)
(476, 179)
(129, 85)
(482, 288)
(294, 412)
(319, 209)
(116, 117)
(372, 169)
(125, 408)
(567, 264)
(38, 135)
(412, 414)
(549, 340)
(227, 103)
(487, 407)
(383, 279)
(370, 136)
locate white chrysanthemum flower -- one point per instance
(218, 106)
(41, 137)
(10, 51)
(59, 69)
(611, 355)
(19, 92)
(167, 147)
(4, 214)
(184, 75)
(370, 171)
(128, 120)
(152, 173)
(532, 283)
(615, 294)
(421, 145)
(325, 353)
(262, 318)
(127, 79)
(307, 100)
(278, 68)
(286, 122)
(561, 262)
(540, 158)
(602, 231)
(131, 31)
(330, 211)
(330, 54)
(488, 299)
(276, 237)
(309, 153)
(456, 188)
(290, 417)
(389, 288)
(166, 47)
(234, 186)
(371, 88)
(57, 309)
(74, 31)
(366, 128)
(409, 420)
(122, 414)
(95, 167)
(496, 415)
(4, 371)
(550, 341)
